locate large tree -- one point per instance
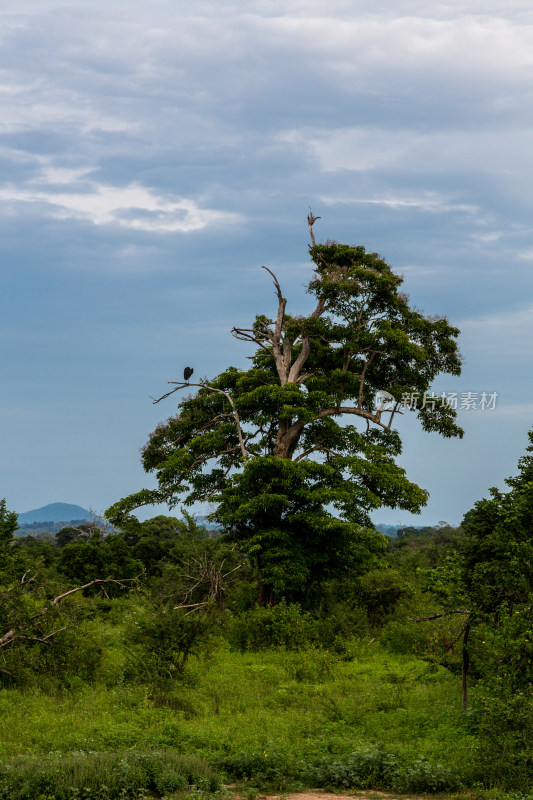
(294, 451)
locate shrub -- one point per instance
(284, 625)
(103, 776)
(365, 769)
(161, 640)
(504, 722)
(403, 637)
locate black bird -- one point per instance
(187, 372)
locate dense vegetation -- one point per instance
(297, 646)
(164, 674)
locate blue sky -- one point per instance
(154, 155)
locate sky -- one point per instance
(154, 155)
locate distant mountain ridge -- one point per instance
(55, 512)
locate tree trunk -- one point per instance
(266, 596)
(465, 664)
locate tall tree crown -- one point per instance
(298, 433)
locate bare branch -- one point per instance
(43, 641)
(318, 448)
(182, 385)
(12, 635)
(300, 361)
(276, 284)
(8, 637)
(240, 333)
(362, 379)
(95, 582)
(276, 338)
(7, 672)
(359, 412)
(311, 219)
(439, 616)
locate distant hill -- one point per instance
(55, 512)
(202, 520)
(393, 530)
(388, 530)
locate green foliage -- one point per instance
(372, 768)
(483, 585)
(71, 533)
(98, 557)
(104, 776)
(160, 641)
(403, 637)
(8, 524)
(275, 511)
(502, 710)
(306, 706)
(504, 723)
(365, 769)
(264, 627)
(43, 644)
(497, 552)
(380, 591)
(160, 540)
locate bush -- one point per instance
(403, 637)
(504, 722)
(161, 640)
(377, 769)
(103, 776)
(284, 625)
(74, 654)
(365, 769)
(380, 592)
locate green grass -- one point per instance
(273, 716)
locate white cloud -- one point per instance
(429, 201)
(409, 151)
(131, 206)
(49, 106)
(59, 175)
(493, 236)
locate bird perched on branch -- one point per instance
(187, 372)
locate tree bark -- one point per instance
(465, 664)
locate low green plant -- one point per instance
(503, 721)
(304, 708)
(365, 769)
(283, 625)
(160, 641)
(104, 776)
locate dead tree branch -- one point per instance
(183, 384)
(15, 633)
(311, 219)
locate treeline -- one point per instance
(32, 528)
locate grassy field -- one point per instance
(276, 718)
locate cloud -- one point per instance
(430, 201)
(132, 206)
(412, 152)
(493, 236)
